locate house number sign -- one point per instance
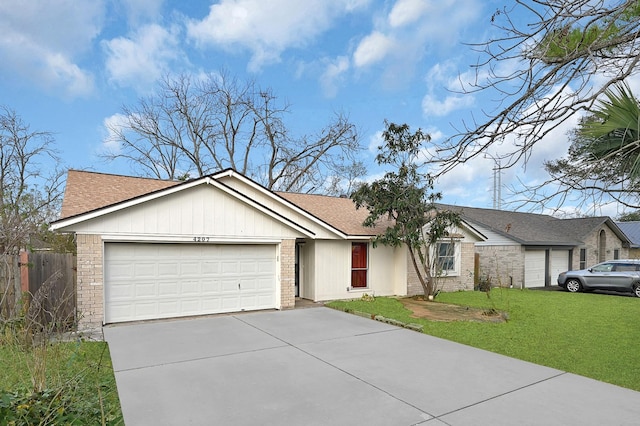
(201, 239)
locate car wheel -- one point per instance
(573, 286)
(636, 289)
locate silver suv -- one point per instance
(616, 275)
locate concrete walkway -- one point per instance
(324, 367)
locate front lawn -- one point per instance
(593, 335)
(57, 383)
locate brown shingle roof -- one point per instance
(339, 212)
(86, 191)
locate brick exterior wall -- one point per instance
(463, 281)
(89, 285)
(592, 244)
(287, 274)
(502, 265)
(634, 253)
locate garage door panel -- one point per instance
(122, 311)
(168, 289)
(210, 268)
(534, 261)
(168, 269)
(191, 288)
(191, 307)
(559, 263)
(211, 287)
(146, 281)
(145, 270)
(145, 290)
(145, 310)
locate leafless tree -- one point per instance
(554, 59)
(31, 182)
(192, 127)
(30, 190)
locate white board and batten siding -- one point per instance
(198, 211)
(331, 270)
(149, 281)
(193, 252)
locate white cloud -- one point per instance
(432, 106)
(41, 39)
(469, 184)
(406, 12)
(266, 29)
(140, 11)
(375, 141)
(333, 74)
(373, 48)
(111, 127)
(140, 60)
(60, 71)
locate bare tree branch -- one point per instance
(196, 127)
(553, 61)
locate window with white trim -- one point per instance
(448, 257)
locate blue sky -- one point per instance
(68, 67)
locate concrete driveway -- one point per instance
(318, 366)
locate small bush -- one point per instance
(484, 283)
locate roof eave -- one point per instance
(111, 208)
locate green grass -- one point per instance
(57, 383)
(593, 335)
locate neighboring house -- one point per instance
(632, 231)
(530, 250)
(150, 248)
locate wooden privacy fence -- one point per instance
(48, 279)
(10, 289)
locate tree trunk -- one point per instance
(426, 280)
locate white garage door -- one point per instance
(534, 267)
(559, 263)
(147, 281)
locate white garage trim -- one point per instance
(149, 281)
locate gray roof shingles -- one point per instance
(532, 228)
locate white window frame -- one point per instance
(457, 258)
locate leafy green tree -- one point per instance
(629, 217)
(604, 155)
(404, 196)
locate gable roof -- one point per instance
(87, 191)
(537, 229)
(89, 194)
